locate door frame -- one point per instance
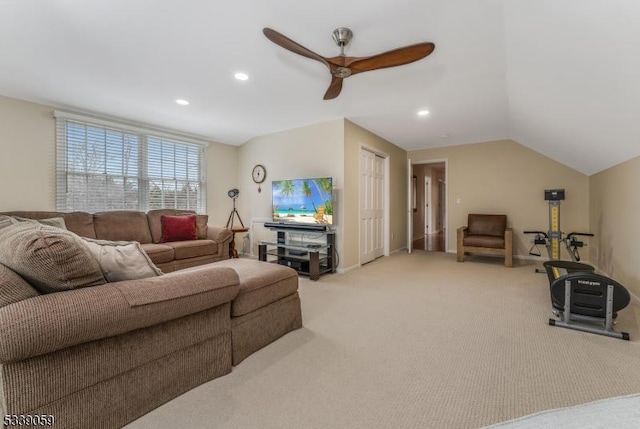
(386, 198)
(428, 218)
(445, 221)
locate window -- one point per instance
(109, 166)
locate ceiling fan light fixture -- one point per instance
(241, 76)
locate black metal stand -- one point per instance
(234, 213)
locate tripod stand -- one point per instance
(234, 212)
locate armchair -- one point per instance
(486, 234)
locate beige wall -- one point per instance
(356, 137)
(27, 164)
(222, 175)
(506, 177)
(615, 205)
(312, 151)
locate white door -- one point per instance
(371, 206)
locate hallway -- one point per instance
(431, 242)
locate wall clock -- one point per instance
(258, 174)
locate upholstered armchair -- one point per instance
(486, 234)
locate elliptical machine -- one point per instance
(552, 238)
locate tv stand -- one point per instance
(307, 258)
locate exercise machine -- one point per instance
(553, 238)
(583, 300)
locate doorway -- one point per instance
(430, 212)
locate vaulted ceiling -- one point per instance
(560, 77)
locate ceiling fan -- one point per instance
(342, 67)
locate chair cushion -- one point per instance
(159, 253)
(50, 259)
(178, 228)
(484, 241)
(193, 248)
(122, 260)
(261, 283)
(492, 225)
(122, 226)
(13, 288)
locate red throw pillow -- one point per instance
(178, 228)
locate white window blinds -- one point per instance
(105, 166)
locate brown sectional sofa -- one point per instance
(145, 228)
(101, 356)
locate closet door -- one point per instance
(371, 206)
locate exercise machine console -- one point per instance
(553, 238)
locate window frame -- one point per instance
(144, 134)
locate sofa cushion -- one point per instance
(122, 260)
(201, 226)
(178, 228)
(159, 253)
(484, 241)
(49, 258)
(193, 248)
(261, 283)
(57, 222)
(122, 226)
(13, 288)
(492, 225)
(80, 223)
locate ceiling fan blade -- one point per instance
(334, 88)
(396, 57)
(290, 45)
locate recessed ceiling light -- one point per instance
(423, 112)
(241, 76)
(182, 102)
(445, 136)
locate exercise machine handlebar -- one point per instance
(573, 243)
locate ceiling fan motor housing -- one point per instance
(342, 36)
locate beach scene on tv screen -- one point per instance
(303, 200)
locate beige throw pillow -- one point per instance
(13, 288)
(49, 258)
(122, 260)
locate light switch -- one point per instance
(459, 201)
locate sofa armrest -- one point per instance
(460, 234)
(55, 321)
(219, 235)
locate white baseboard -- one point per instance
(348, 269)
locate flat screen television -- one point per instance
(306, 201)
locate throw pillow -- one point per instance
(178, 228)
(122, 260)
(13, 288)
(6, 221)
(48, 258)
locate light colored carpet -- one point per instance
(416, 341)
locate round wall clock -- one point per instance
(259, 174)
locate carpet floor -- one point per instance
(416, 341)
